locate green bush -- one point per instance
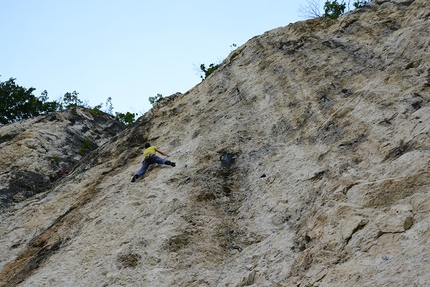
(96, 110)
(333, 9)
(85, 147)
(71, 100)
(127, 118)
(207, 71)
(154, 100)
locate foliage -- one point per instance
(127, 118)
(17, 103)
(71, 100)
(154, 100)
(360, 3)
(109, 106)
(48, 106)
(96, 110)
(85, 147)
(333, 9)
(207, 71)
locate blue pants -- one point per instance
(147, 162)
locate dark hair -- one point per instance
(147, 145)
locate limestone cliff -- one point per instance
(302, 161)
(35, 153)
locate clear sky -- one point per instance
(129, 50)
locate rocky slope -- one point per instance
(37, 152)
(302, 161)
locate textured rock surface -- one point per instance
(37, 152)
(314, 137)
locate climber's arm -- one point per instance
(162, 153)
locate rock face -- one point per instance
(302, 161)
(35, 153)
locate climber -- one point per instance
(150, 158)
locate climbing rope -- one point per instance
(230, 247)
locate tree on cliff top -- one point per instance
(18, 103)
(332, 9)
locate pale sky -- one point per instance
(129, 50)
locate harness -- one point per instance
(150, 159)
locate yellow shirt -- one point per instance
(148, 151)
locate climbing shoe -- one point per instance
(170, 163)
(134, 178)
